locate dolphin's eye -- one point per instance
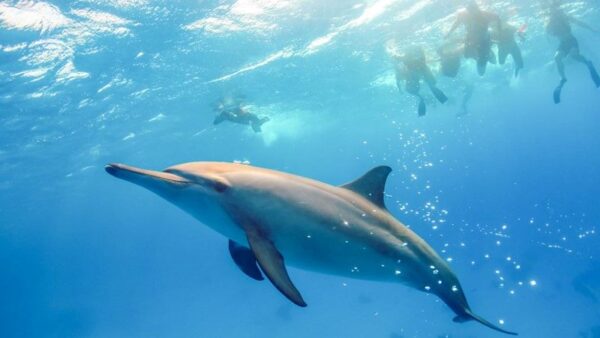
(220, 186)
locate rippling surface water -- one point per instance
(507, 193)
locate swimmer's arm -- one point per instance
(582, 24)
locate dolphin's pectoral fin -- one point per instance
(244, 258)
(271, 263)
(371, 185)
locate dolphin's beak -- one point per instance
(143, 177)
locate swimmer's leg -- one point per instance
(413, 87)
(593, 73)
(485, 55)
(430, 80)
(481, 66)
(558, 91)
(560, 66)
(502, 54)
(518, 58)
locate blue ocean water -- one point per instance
(505, 190)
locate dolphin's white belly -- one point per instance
(219, 220)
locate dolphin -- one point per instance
(274, 219)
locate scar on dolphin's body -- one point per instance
(274, 219)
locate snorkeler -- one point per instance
(478, 44)
(412, 67)
(238, 114)
(559, 26)
(504, 37)
(450, 54)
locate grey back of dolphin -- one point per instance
(274, 219)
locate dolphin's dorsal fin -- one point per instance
(244, 258)
(371, 185)
(271, 262)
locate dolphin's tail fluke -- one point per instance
(471, 316)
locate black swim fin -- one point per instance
(558, 91)
(594, 74)
(264, 120)
(439, 95)
(422, 107)
(218, 119)
(256, 126)
(471, 316)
